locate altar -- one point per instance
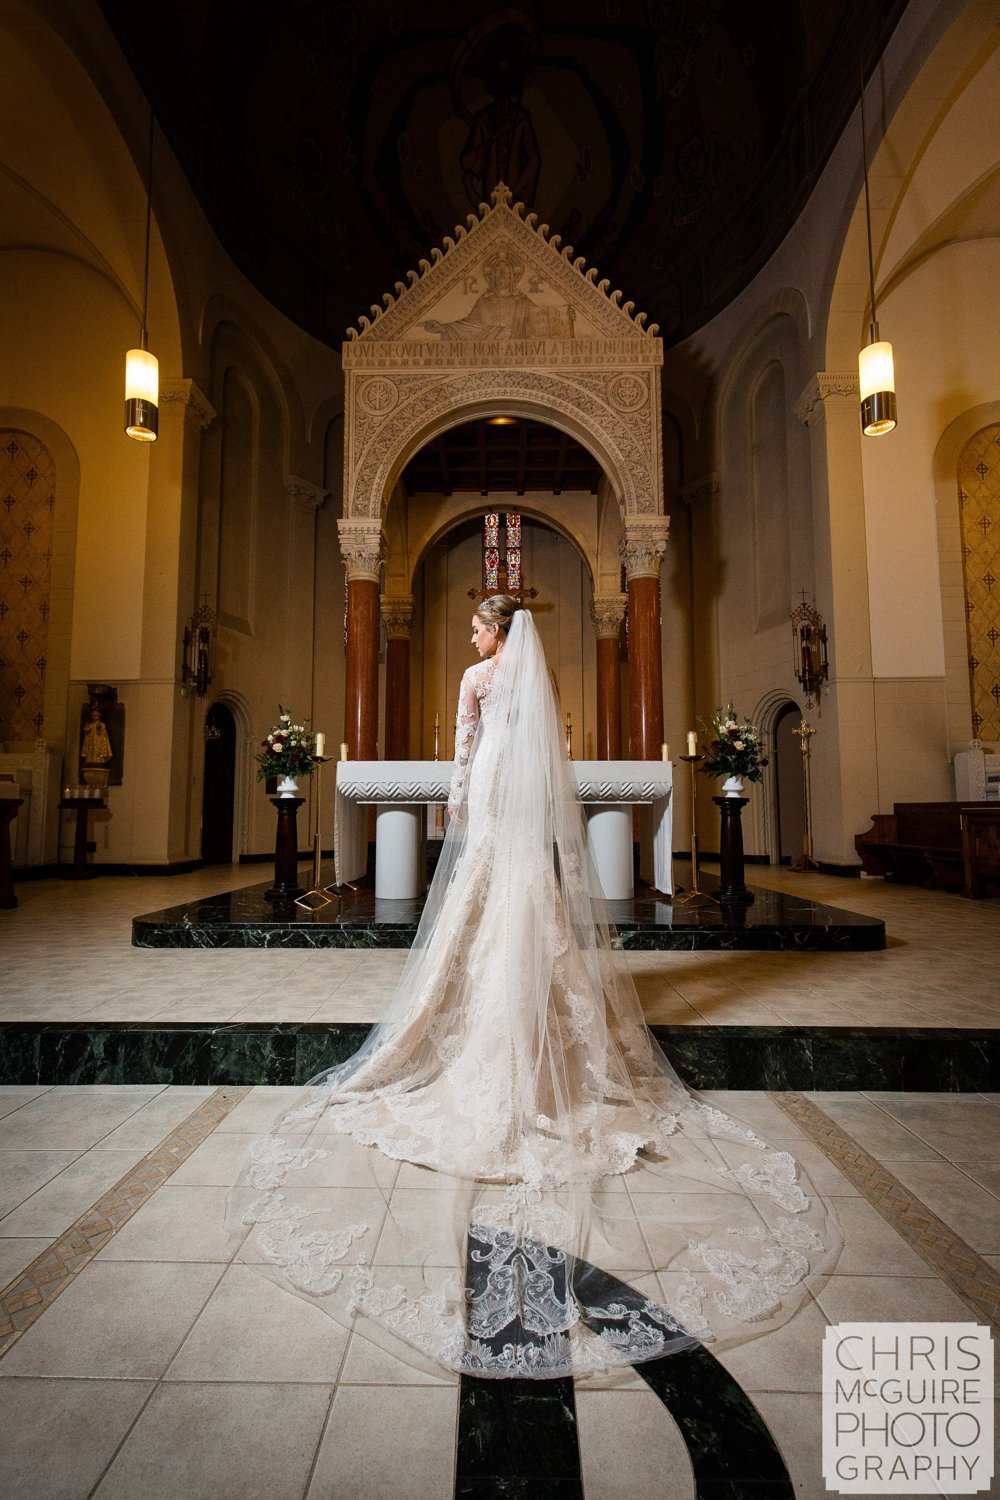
(402, 790)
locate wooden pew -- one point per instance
(980, 850)
(920, 843)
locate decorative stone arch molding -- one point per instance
(501, 321)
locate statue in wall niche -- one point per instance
(96, 747)
(504, 312)
(102, 736)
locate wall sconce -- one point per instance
(809, 656)
(199, 648)
(142, 370)
(876, 375)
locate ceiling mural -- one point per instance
(332, 144)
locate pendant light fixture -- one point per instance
(142, 370)
(876, 376)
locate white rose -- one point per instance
(737, 744)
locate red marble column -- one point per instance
(643, 545)
(361, 546)
(361, 673)
(608, 612)
(397, 616)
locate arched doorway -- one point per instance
(219, 786)
(789, 796)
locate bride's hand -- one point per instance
(455, 813)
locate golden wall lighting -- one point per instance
(809, 649)
(142, 371)
(199, 648)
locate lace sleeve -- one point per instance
(466, 723)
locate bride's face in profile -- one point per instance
(485, 638)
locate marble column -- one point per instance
(607, 612)
(644, 541)
(361, 546)
(397, 617)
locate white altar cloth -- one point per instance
(401, 789)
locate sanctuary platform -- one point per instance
(775, 922)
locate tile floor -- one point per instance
(165, 1372)
(67, 956)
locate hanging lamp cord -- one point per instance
(149, 219)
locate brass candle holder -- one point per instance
(694, 897)
(319, 896)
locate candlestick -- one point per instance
(437, 735)
(569, 735)
(318, 896)
(692, 742)
(694, 896)
(343, 750)
(320, 746)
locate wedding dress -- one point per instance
(509, 1179)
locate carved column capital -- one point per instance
(361, 547)
(198, 410)
(303, 492)
(607, 612)
(397, 615)
(642, 545)
(826, 385)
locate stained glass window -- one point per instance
(502, 565)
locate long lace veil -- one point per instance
(508, 1178)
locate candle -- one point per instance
(692, 742)
(320, 745)
(664, 751)
(343, 751)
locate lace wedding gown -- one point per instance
(564, 1203)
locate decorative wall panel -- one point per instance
(27, 504)
(979, 499)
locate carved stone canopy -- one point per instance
(502, 321)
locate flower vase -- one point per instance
(732, 786)
(288, 787)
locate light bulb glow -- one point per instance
(142, 393)
(877, 383)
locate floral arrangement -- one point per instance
(286, 750)
(734, 748)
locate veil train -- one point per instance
(509, 1178)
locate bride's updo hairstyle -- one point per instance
(500, 610)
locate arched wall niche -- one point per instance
(953, 442)
(57, 731)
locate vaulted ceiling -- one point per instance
(331, 144)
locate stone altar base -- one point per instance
(775, 922)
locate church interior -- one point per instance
(443, 302)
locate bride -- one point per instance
(508, 1178)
